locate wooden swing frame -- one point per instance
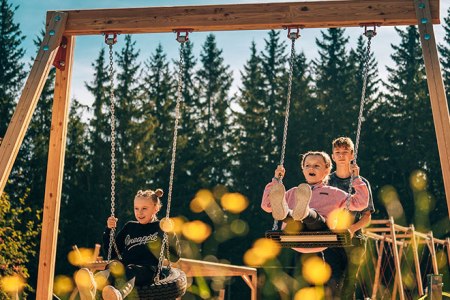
(398, 237)
(58, 46)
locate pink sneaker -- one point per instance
(302, 198)
(278, 203)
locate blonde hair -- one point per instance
(152, 195)
(344, 142)
(326, 158)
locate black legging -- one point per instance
(313, 221)
(143, 274)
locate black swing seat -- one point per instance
(310, 239)
(169, 288)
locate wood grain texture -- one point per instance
(262, 16)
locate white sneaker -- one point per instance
(101, 279)
(278, 203)
(86, 284)
(302, 198)
(111, 293)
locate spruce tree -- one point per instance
(157, 111)
(80, 211)
(214, 80)
(187, 165)
(333, 86)
(273, 60)
(12, 71)
(98, 143)
(302, 119)
(406, 124)
(130, 170)
(251, 142)
(250, 137)
(358, 59)
(444, 51)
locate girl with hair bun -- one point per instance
(139, 246)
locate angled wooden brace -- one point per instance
(31, 92)
(436, 89)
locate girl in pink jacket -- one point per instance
(311, 203)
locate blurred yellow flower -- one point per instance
(234, 202)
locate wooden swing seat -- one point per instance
(310, 239)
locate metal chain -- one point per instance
(293, 36)
(165, 241)
(111, 42)
(363, 96)
(161, 258)
(369, 34)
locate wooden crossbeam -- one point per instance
(260, 16)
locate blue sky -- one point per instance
(235, 44)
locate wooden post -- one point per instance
(447, 245)
(376, 281)
(221, 294)
(400, 255)
(398, 269)
(432, 248)
(436, 89)
(55, 168)
(30, 95)
(416, 260)
(250, 280)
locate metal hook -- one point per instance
(370, 33)
(293, 35)
(110, 40)
(182, 35)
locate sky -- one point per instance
(235, 44)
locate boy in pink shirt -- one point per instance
(311, 203)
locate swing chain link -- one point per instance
(369, 34)
(165, 241)
(275, 225)
(292, 36)
(110, 41)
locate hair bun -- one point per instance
(159, 193)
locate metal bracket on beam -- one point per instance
(60, 58)
(370, 32)
(293, 31)
(183, 34)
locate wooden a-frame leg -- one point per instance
(55, 168)
(416, 260)
(376, 281)
(400, 255)
(438, 98)
(31, 92)
(398, 269)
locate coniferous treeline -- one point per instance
(226, 140)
